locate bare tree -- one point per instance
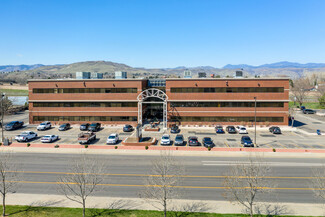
(166, 174)
(245, 182)
(9, 176)
(299, 90)
(85, 175)
(5, 105)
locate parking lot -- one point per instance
(265, 139)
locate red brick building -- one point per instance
(188, 101)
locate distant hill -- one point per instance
(11, 68)
(283, 69)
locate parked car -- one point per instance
(241, 130)
(207, 142)
(49, 138)
(84, 127)
(275, 130)
(127, 128)
(94, 127)
(179, 139)
(64, 127)
(309, 111)
(84, 138)
(26, 136)
(165, 140)
(231, 129)
(175, 129)
(192, 141)
(246, 141)
(219, 129)
(112, 139)
(44, 126)
(13, 125)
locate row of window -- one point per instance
(227, 119)
(85, 90)
(226, 104)
(85, 104)
(228, 90)
(84, 118)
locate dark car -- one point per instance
(219, 129)
(64, 127)
(246, 141)
(302, 108)
(179, 139)
(231, 129)
(127, 128)
(192, 141)
(174, 129)
(207, 142)
(94, 127)
(275, 130)
(309, 111)
(84, 127)
(13, 125)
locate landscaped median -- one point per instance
(172, 148)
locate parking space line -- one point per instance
(281, 145)
(297, 145)
(227, 145)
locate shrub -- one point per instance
(56, 146)
(209, 148)
(115, 147)
(86, 146)
(0, 143)
(274, 150)
(28, 144)
(146, 147)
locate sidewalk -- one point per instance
(303, 209)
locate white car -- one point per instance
(26, 136)
(49, 138)
(241, 130)
(44, 126)
(165, 140)
(112, 139)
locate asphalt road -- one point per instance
(203, 180)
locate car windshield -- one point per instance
(46, 137)
(111, 137)
(165, 137)
(12, 123)
(193, 139)
(43, 124)
(246, 139)
(243, 128)
(93, 125)
(63, 125)
(179, 138)
(83, 125)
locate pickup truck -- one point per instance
(26, 136)
(13, 125)
(84, 138)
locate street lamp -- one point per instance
(2, 113)
(255, 122)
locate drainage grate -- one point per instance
(265, 135)
(231, 140)
(317, 122)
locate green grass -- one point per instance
(309, 105)
(13, 92)
(23, 211)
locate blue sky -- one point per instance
(166, 33)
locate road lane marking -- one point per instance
(146, 175)
(198, 187)
(227, 145)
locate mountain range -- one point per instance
(285, 69)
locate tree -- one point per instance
(9, 177)
(245, 182)
(299, 90)
(5, 105)
(85, 175)
(166, 173)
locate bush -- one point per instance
(0, 143)
(274, 150)
(86, 146)
(209, 148)
(115, 147)
(56, 146)
(146, 147)
(28, 144)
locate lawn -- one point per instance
(23, 211)
(309, 105)
(14, 92)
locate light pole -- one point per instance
(255, 122)
(2, 111)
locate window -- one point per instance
(84, 118)
(85, 104)
(230, 119)
(86, 90)
(227, 104)
(228, 90)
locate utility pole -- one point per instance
(2, 113)
(255, 122)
